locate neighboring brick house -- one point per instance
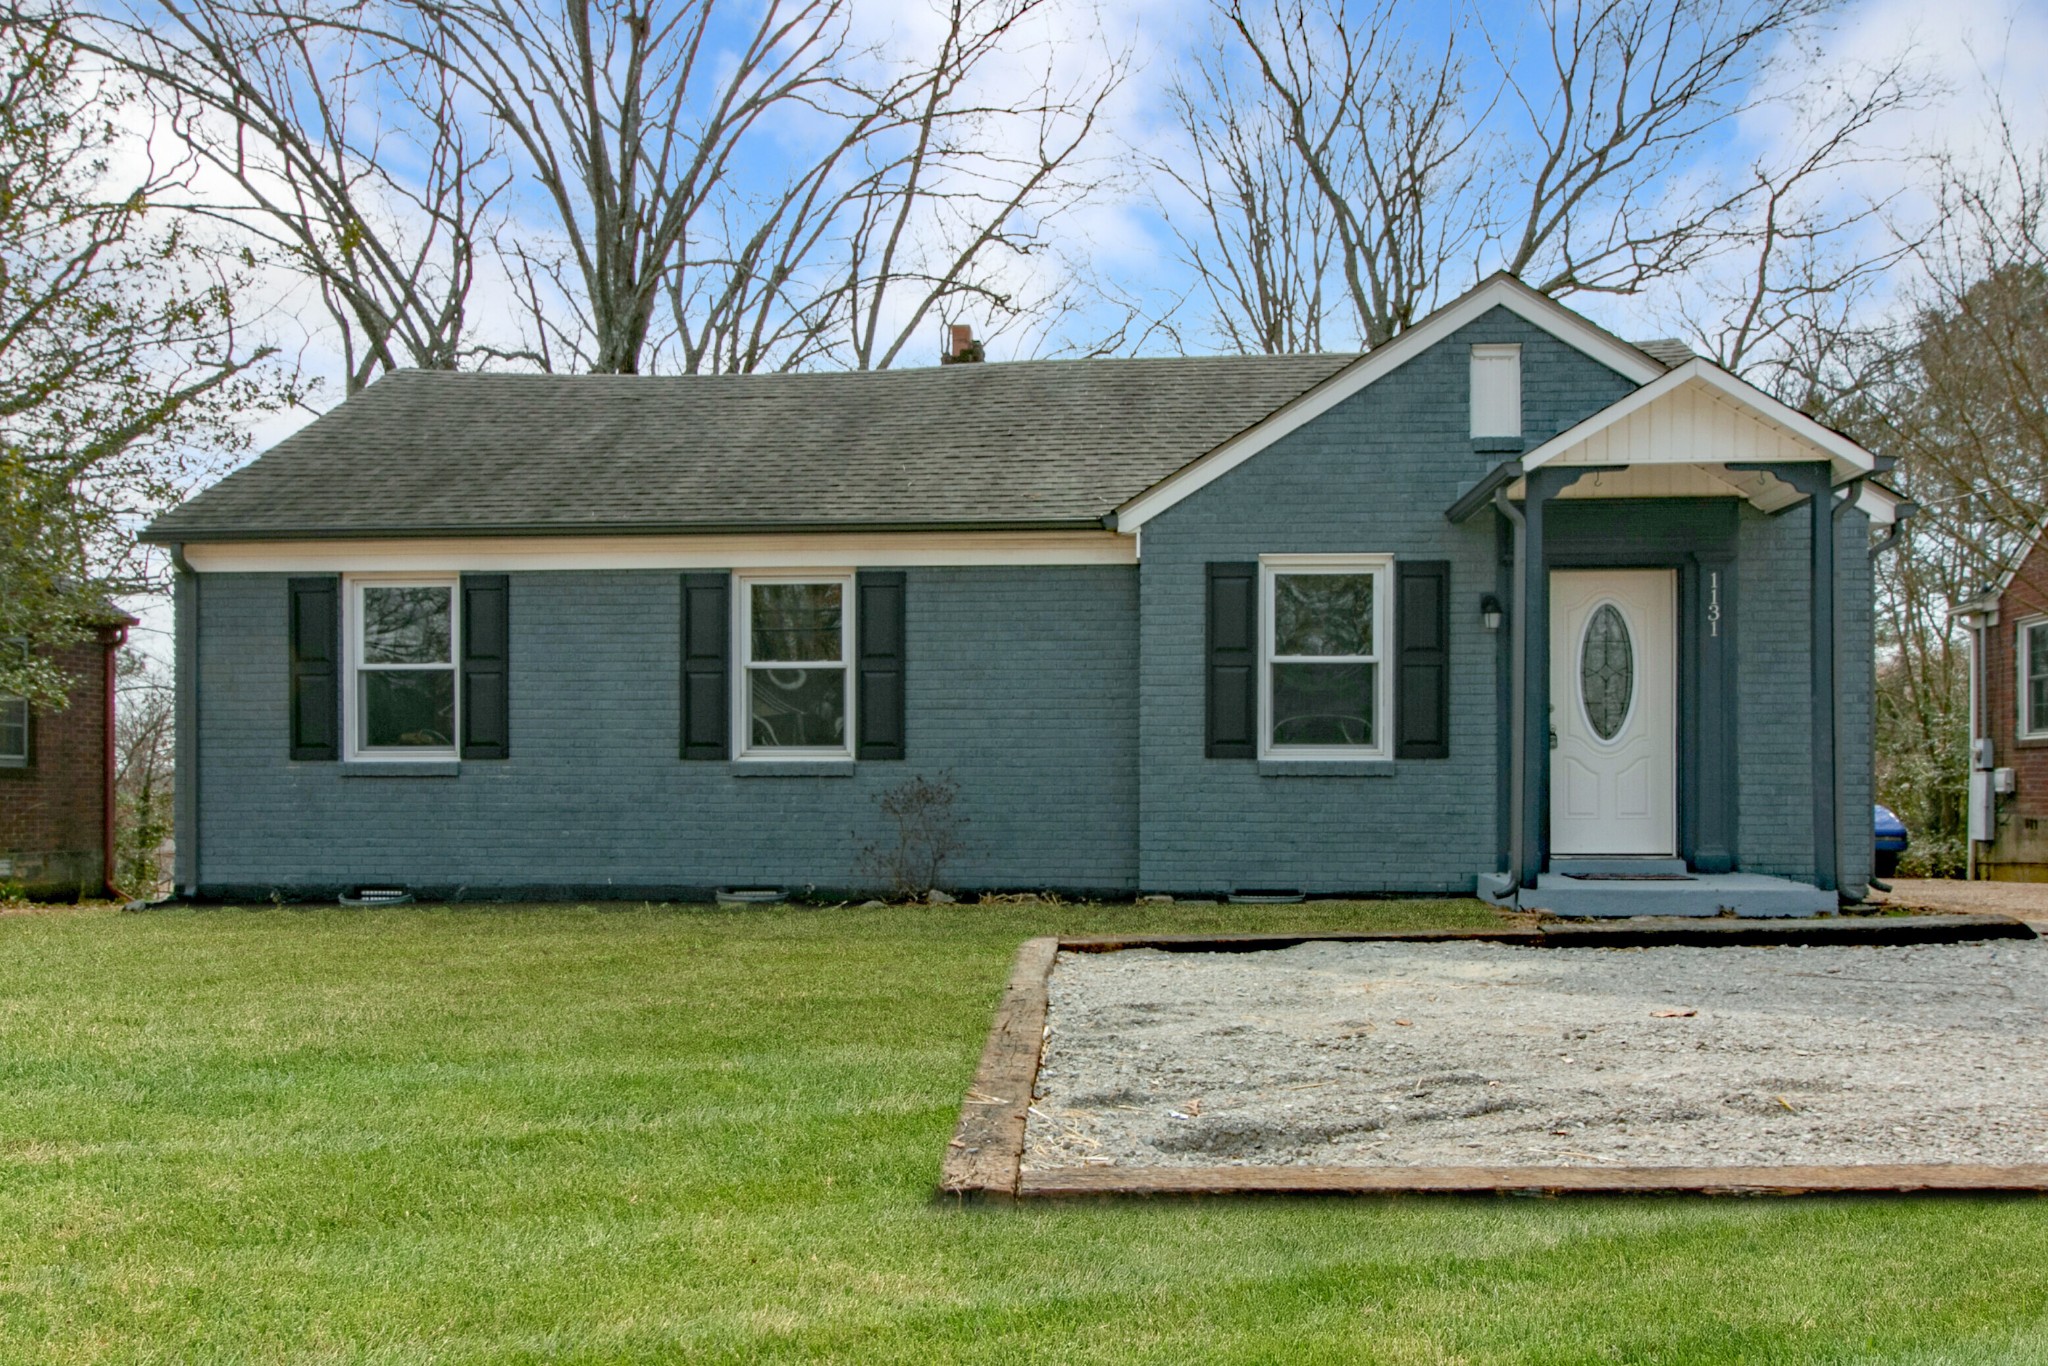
(1198, 625)
(57, 778)
(2008, 628)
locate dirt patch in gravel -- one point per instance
(1382, 1054)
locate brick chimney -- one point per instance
(963, 349)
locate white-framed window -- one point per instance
(2033, 690)
(1324, 689)
(1497, 390)
(794, 694)
(14, 720)
(403, 636)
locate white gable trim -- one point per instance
(1499, 291)
(1991, 595)
(1848, 460)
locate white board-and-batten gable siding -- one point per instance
(1689, 426)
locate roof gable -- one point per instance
(1498, 291)
(1699, 413)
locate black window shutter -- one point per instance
(315, 667)
(878, 622)
(486, 666)
(1422, 659)
(707, 647)
(1233, 661)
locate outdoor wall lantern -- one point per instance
(1490, 613)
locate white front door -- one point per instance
(1614, 711)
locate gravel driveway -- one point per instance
(1479, 1053)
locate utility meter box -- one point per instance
(2003, 782)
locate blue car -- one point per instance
(1891, 841)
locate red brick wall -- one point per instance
(52, 813)
(2023, 817)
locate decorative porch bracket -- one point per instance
(1815, 480)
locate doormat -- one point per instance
(1632, 877)
(1028, 1134)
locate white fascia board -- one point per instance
(501, 554)
(1839, 449)
(1501, 291)
(1879, 504)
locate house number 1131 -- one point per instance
(1713, 602)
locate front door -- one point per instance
(1614, 711)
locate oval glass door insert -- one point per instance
(1607, 671)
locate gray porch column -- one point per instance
(1540, 487)
(1815, 480)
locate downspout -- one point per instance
(1518, 697)
(1978, 645)
(108, 657)
(185, 774)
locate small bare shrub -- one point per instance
(927, 834)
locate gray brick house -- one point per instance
(1507, 604)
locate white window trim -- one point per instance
(352, 653)
(1503, 362)
(744, 749)
(2023, 723)
(1382, 568)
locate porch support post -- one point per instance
(1533, 616)
(1816, 482)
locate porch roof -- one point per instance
(1693, 433)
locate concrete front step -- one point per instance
(1701, 894)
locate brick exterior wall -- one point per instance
(1021, 683)
(2020, 852)
(53, 812)
(1067, 701)
(1374, 476)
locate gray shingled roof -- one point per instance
(1670, 352)
(1027, 444)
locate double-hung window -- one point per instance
(403, 637)
(14, 720)
(2033, 652)
(1324, 690)
(795, 697)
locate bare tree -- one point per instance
(631, 120)
(928, 196)
(144, 755)
(349, 156)
(960, 187)
(1958, 394)
(1262, 241)
(1564, 161)
(1786, 305)
(1377, 137)
(1623, 93)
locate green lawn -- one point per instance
(573, 1134)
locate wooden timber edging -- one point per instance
(1805, 1180)
(1640, 932)
(985, 1158)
